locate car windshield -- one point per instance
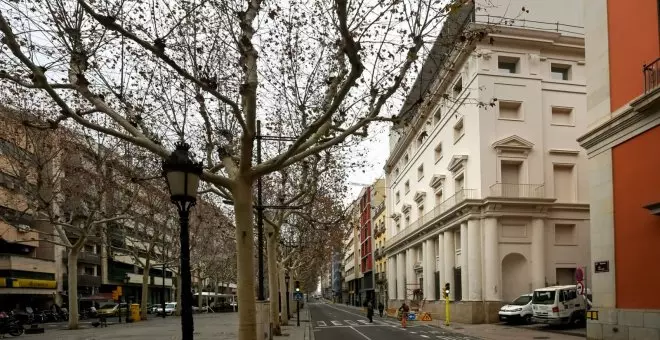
(522, 300)
(170, 305)
(544, 297)
(108, 306)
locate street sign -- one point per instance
(298, 296)
(580, 288)
(579, 274)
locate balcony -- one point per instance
(517, 190)
(84, 257)
(437, 212)
(26, 264)
(84, 280)
(651, 75)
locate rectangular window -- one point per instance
(438, 152)
(405, 159)
(565, 276)
(458, 87)
(564, 182)
(562, 116)
(420, 172)
(438, 197)
(565, 234)
(459, 130)
(510, 110)
(459, 183)
(437, 115)
(396, 172)
(508, 64)
(420, 139)
(397, 197)
(560, 71)
(406, 186)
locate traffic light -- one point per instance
(446, 291)
(297, 286)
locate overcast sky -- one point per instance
(377, 146)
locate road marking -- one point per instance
(424, 336)
(336, 323)
(364, 322)
(321, 323)
(358, 332)
(351, 322)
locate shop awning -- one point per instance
(26, 291)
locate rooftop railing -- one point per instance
(651, 75)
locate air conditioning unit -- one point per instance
(23, 228)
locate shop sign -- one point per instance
(31, 283)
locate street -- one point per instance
(333, 322)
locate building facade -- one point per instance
(352, 272)
(379, 253)
(486, 182)
(623, 116)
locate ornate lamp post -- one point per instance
(182, 175)
(286, 283)
(127, 279)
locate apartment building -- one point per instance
(486, 182)
(33, 261)
(623, 117)
(352, 272)
(379, 254)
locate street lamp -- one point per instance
(286, 283)
(127, 279)
(182, 175)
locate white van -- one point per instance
(559, 305)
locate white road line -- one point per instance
(364, 322)
(424, 336)
(358, 332)
(321, 323)
(336, 323)
(351, 322)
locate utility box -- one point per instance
(135, 312)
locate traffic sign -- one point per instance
(580, 288)
(579, 274)
(426, 316)
(298, 296)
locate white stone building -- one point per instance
(491, 198)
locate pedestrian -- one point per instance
(381, 307)
(370, 311)
(404, 309)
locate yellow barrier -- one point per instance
(135, 312)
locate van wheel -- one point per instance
(528, 319)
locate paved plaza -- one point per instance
(220, 326)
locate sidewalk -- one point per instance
(502, 332)
(293, 332)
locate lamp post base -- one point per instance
(264, 324)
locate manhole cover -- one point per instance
(541, 337)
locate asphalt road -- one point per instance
(335, 322)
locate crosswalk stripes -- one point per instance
(351, 322)
(321, 323)
(336, 323)
(364, 322)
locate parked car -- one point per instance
(170, 308)
(520, 310)
(559, 305)
(112, 309)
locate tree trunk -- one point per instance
(72, 267)
(272, 282)
(285, 311)
(247, 324)
(145, 289)
(215, 298)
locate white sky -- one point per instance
(377, 146)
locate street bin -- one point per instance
(135, 312)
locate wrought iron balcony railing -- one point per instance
(651, 75)
(517, 190)
(438, 210)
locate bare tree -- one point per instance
(205, 70)
(72, 183)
